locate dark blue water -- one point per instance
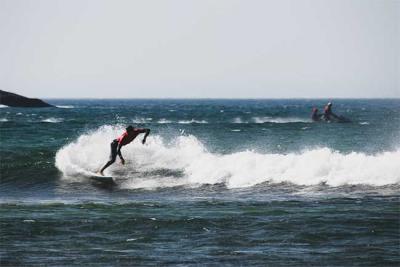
(219, 182)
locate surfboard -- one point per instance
(343, 119)
(100, 178)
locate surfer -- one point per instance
(315, 116)
(128, 136)
(328, 114)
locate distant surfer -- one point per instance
(128, 136)
(328, 114)
(315, 116)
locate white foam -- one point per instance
(278, 120)
(141, 120)
(192, 121)
(163, 121)
(53, 120)
(65, 106)
(3, 119)
(364, 123)
(242, 169)
(270, 120)
(238, 120)
(3, 106)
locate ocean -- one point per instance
(218, 183)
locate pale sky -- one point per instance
(200, 49)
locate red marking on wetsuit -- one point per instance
(126, 137)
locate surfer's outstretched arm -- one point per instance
(147, 131)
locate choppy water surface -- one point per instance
(219, 182)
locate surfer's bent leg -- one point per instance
(113, 155)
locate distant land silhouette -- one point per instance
(15, 100)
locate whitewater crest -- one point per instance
(260, 120)
(65, 106)
(166, 121)
(53, 120)
(186, 161)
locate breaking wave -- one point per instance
(186, 161)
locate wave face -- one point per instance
(186, 161)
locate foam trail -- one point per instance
(242, 169)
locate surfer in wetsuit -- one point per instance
(315, 116)
(128, 136)
(328, 114)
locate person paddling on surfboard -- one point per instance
(128, 136)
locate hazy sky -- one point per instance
(208, 49)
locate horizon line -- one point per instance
(211, 98)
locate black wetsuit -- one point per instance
(114, 151)
(315, 116)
